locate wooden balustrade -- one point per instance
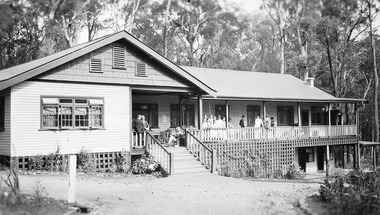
(138, 140)
(205, 155)
(159, 153)
(280, 132)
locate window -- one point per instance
(140, 69)
(285, 115)
(118, 56)
(319, 116)
(95, 65)
(2, 113)
(67, 113)
(252, 112)
(188, 115)
(174, 115)
(309, 154)
(220, 110)
(150, 111)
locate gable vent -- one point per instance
(140, 69)
(118, 57)
(95, 65)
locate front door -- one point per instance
(321, 157)
(302, 158)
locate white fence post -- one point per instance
(73, 175)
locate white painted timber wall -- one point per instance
(5, 136)
(28, 139)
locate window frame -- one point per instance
(2, 113)
(250, 118)
(320, 114)
(309, 154)
(73, 105)
(291, 116)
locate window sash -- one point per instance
(80, 114)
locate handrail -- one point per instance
(279, 132)
(205, 155)
(159, 153)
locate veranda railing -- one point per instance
(160, 154)
(206, 155)
(251, 133)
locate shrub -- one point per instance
(36, 162)
(144, 165)
(86, 161)
(353, 193)
(122, 162)
(54, 162)
(293, 171)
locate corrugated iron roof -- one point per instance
(242, 85)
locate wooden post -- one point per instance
(72, 175)
(358, 155)
(327, 160)
(329, 115)
(200, 117)
(264, 109)
(171, 163)
(213, 168)
(227, 117)
(180, 111)
(299, 114)
(374, 157)
(354, 157)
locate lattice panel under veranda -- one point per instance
(267, 158)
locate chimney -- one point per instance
(310, 82)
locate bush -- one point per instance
(122, 162)
(144, 165)
(293, 171)
(353, 193)
(85, 161)
(54, 162)
(36, 162)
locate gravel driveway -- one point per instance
(178, 194)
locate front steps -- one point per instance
(184, 162)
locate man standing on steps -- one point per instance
(242, 123)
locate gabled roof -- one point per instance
(22, 72)
(243, 85)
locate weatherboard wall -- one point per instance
(28, 138)
(5, 136)
(78, 70)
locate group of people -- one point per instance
(140, 124)
(266, 122)
(215, 122)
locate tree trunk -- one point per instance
(376, 90)
(165, 33)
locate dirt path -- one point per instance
(181, 194)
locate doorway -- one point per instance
(302, 158)
(321, 158)
(304, 117)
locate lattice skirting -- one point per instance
(103, 161)
(267, 158)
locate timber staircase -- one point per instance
(184, 162)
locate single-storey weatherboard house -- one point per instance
(86, 97)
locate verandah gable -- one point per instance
(99, 67)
